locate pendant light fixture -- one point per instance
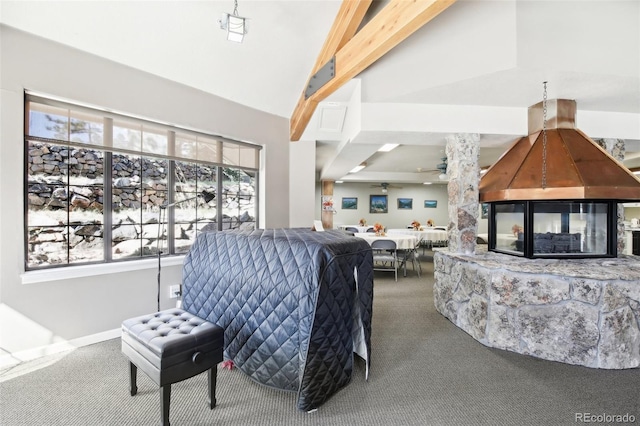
(236, 26)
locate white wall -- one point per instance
(70, 308)
(631, 212)
(302, 165)
(394, 218)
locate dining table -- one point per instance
(425, 235)
(403, 241)
(358, 227)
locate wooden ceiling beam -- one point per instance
(394, 23)
(344, 27)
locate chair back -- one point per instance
(383, 245)
(351, 229)
(385, 256)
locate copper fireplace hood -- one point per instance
(576, 167)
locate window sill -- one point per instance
(69, 272)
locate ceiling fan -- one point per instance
(385, 186)
(441, 169)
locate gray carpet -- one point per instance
(425, 371)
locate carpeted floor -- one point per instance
(425, 371)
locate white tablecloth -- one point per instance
(426, 234)
(358, 227)
(403, 242)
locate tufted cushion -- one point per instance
(170, 337)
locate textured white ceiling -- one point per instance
(492, 54)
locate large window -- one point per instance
(104, 187)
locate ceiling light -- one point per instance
(339, 181)
(427, 183)
(637, 172)
(235, 25)
(356, 169)
(387, 147)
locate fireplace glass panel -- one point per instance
(554, 228)
(509, 220)
(570, 228)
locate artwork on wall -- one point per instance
(327, 203)
(405, 203)
(349, 203)
(378, 204)
(430, 204)
(484, 210)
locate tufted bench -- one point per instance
(170, 346)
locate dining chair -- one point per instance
(385, 256)
(411, 255)
(426, 244)
(371, 229)
(351, 229)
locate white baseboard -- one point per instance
(12, 359)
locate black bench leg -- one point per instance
(133, 386)
(212, 376)
(165, 402)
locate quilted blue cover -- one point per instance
(295, 304)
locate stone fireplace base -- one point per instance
(577, 311)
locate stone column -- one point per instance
(616, 148)
(464, 175)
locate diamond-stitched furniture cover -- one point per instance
(295, 304)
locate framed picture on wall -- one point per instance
(430, 204)
(405, 203)
(349, 203)
(378, 204)
(327, 203)
(484, 211)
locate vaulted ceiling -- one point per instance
(474, 68)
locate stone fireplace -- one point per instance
(577, 311)
(552, 283)
(554, 193)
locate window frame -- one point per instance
(168, 243)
